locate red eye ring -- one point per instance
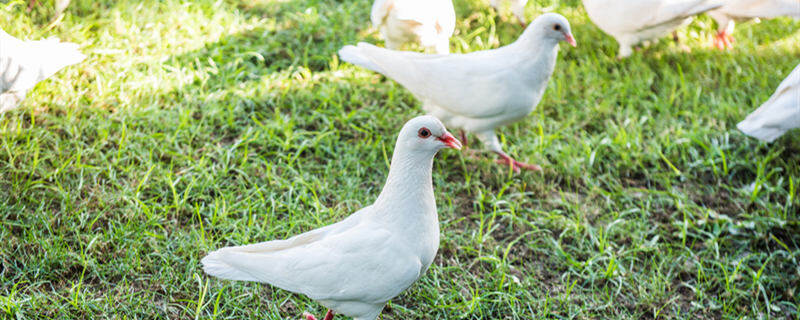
(424, 133)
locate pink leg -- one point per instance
(463, 138)
(729, 40)
(328, 316)
(516, 165)
(723, 40)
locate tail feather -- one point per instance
(214, 265)
(356, 56)
(760, 132)
(60, 55)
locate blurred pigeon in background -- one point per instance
(634, 21)
(748, 9)
(429, 22)
(24, 63)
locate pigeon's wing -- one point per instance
(333, 264)
(779, 114)
(464, 84)
(679, 9)
(630, 16)
(380, 10)
(762, 8)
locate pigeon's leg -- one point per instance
(624, 51)
(675, 37)
(11, 100)
(31, 3)
(725, 25)
(514, 164)
(493, 144)
(626, 44)
(719, 40)
(463, 136)
(723, 40)
(328, 316)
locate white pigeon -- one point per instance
(477, 91)
(748, 9)
(429, 22)
(517, 7)
(779, 114)
(634, 21)
(355, 266)
(24, 63)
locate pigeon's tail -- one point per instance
(214, 264)
(61, 55)
(357, 57)
(757, 130)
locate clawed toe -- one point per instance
(308, 316)
(516, 165)
(328, 316)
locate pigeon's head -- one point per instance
(554, 26)
(426, 133)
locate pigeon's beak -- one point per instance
(568, 37)
(450, 141)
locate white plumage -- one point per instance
(358, 264)
(24, 63)
(477, 91)
(517, 7)
(429, 22)
(779, 114)
(634, 21)
(732, 10)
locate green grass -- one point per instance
(198, 124)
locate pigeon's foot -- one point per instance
(328, 316)
(516, 165)
(723, 40)
(31, 3)
(726, 39)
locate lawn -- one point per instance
(194, 125)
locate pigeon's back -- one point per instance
(761, 8)
(623, 16)
(474, 85)
(779, 114)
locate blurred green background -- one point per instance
(194, 125)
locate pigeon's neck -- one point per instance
(537, 56)
(533, 46)
(409, 186)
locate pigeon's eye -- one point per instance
(424, 133)
(557, 27)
